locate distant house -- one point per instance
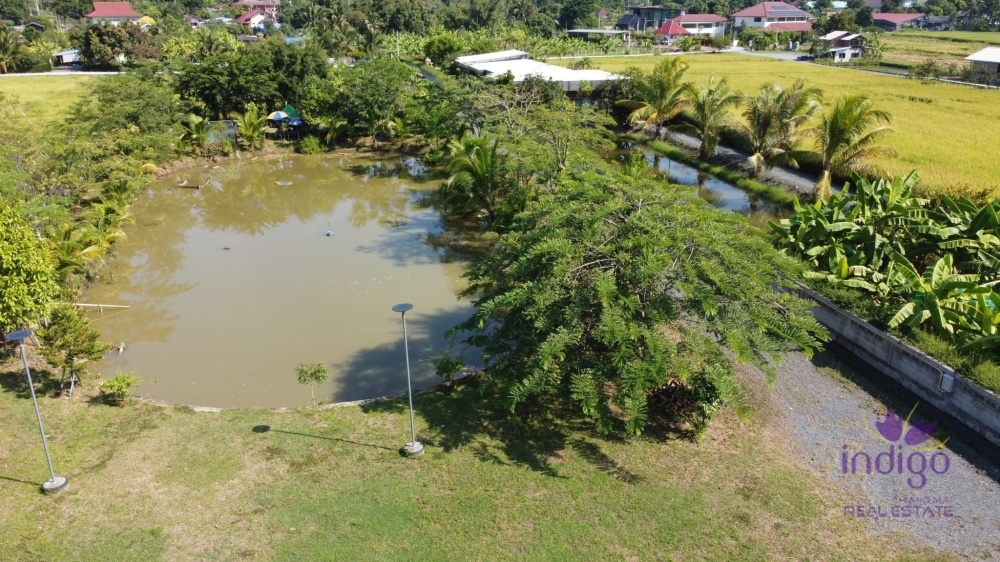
(895, 22)
(254, 19)
(987, 60)
(521, 67)
(844, 45)
(268, 6)
(934, 23)
(66, 58)
(113, 13)
(670, 32)
(774, 16)
(645, 18)
(192, 20)
(702, 24)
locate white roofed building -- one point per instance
(987, 59)
(844, 45)
(521, 67)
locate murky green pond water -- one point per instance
(232, 285)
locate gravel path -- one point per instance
(824, 404)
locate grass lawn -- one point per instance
(943, 47)
(948, 132)
(45, 99)
(159, 483)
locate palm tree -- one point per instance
(772, 133)
(476, 181)
(251, 125)
(847, 139)
(662, 94)
(10, 48)
(708, 113)
(332, 128)
(74, 246)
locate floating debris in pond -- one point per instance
(283, 182)
(329, 233)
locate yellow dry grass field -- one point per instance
(917, 47)
(950, 133)
(44, 99)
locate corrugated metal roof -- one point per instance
(989, 54)
(511, 54)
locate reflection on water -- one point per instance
(717, 192)
(275, 263)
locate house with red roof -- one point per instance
(113, 13)
(670, 31)
(268, 6)
(895, 22)
(702, 24)
(774, 16)
(254, 18)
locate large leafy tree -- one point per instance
(27, 278)
(226, 83)
(611, 286)
(774, 118)
(708, 113)
(661, 94)
(848, 140)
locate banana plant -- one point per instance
(939, 295)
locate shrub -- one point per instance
(118, 389)
(310, 145)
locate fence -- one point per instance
(931, 380)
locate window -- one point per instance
(756, 20)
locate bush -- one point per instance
(118, 389)
(310, 145)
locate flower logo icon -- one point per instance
(894, 426)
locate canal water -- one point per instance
(274, 263)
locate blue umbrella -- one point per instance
(277, 116)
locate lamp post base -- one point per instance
(54, 485)
(413, 449)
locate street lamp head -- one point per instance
(402, 307)
(18, 335)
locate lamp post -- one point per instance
(414, 447)
(55, 483)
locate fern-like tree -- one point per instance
(848, 140)
(69, 341)
(610, 286)
(251, 125)
(774, 130)
(708, 113)
(312, 374)
(661, 95)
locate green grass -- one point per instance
(45, 99)
(155, 483)
(944, 130)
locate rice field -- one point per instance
(44, 99)
(950, 133)
(943, 47)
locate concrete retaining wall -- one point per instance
(931, 380)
